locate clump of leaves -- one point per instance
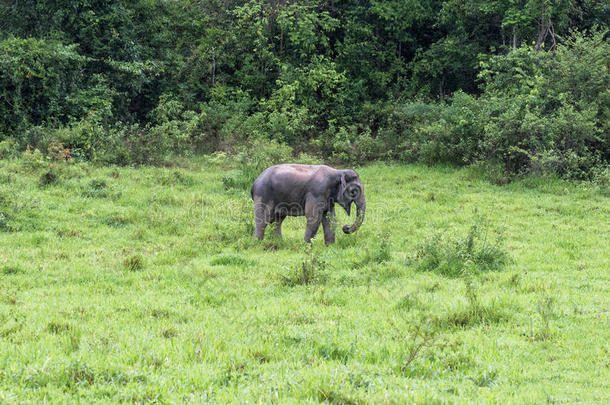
(57, 152)
(450, 256)
(134, 263)
(309, 272)
(11, 269)
(58, 327)
(96, 188)
(50, 176)
(169, 332)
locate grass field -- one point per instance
(146, 285)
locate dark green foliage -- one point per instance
(522, 84)
(40, 82)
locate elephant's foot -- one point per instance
(259, 232)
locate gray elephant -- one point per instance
(309, 190)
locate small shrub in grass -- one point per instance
(32, 159)
(410, 301)
(238, 179)
(169, 333)
(117, 220)
(545, 310)
(486, 378)
(476, 312)
(50, 176)
(171, 178)
(58, 328)
(79, 374)
(310, 270)
(419, 338)
(329, 395)
(96, 188)
(450, 256)
(134, 263)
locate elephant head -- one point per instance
(350, 191)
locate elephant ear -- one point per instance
(349, 175)
(341, 197)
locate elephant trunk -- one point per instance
(361, 209)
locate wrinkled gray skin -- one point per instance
(312, 191)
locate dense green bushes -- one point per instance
(139, 82)
(540, 112)
(40, 83)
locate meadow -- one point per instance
(145, 285)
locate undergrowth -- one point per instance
(452, 255)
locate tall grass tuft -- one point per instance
(309, 272)
(451, 256)
(134, 263)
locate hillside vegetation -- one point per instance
(146, 285)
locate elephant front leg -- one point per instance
(314, 217)
(329, 224)
(311, 229)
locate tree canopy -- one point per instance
(315, 74)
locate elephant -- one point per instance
(310, 191)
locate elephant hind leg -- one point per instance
(278, 225)
(262, 217)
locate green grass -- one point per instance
(146, 285)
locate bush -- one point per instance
(549, 113)
(8, 149)
(539, 112)
(220, 124)
(310, 271)
(38, 80)
(452, 256)
(252, 159)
